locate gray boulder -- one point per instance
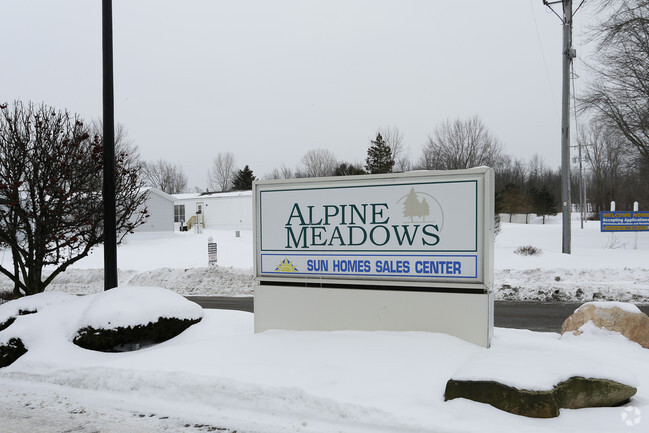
(574, 393)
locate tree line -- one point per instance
(612, 170)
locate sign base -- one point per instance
(468, 316)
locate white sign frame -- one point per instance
(457, 262)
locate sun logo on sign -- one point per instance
(286, 266)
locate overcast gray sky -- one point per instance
(271, 79)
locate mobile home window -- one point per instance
(179, 213)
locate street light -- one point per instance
(110, 229)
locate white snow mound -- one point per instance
(31, 303)
(132, 305)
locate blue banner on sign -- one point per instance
(405, 266)
(621, 221)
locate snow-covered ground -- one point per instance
(220, 376)
(602, 266)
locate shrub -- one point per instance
(528, 250)
(12, 319)
(119, 339)
(6, 296)
(10, 351)
(4, 325)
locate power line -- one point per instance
(582, 186)
(545, 63)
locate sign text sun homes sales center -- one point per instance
(431, 229)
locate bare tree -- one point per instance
(319, 163)
(510, 172)
(619, 92)
(282, 172)
(223, 170)
(165, 176)
(51, 204)
(605, 152)
(461, 144)
(538, 173)
(394, 139)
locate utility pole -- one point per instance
(568, 54)
(110, 230)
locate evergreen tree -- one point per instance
(511, 201)
(379, 157)
(545, 203)
(243, 180)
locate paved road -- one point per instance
(243, 303)
(536, 316)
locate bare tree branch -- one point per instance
(165, 176)
(461, 144)
(51, 204)
(319, 163)
(222, 172)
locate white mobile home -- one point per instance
(212, 209)
(161, 211)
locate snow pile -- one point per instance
(30, 304)
(130, 306)
(219, 374)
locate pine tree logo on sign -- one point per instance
(413, 207)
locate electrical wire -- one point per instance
(574, 98)
(545, 63)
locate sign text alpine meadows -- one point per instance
(418, 228)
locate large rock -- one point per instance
(574, 393)
(579, 392)
(620, 317)
(536, 404)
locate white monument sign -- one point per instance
(414, 232)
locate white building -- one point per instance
(161, 211)
(212, 209)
